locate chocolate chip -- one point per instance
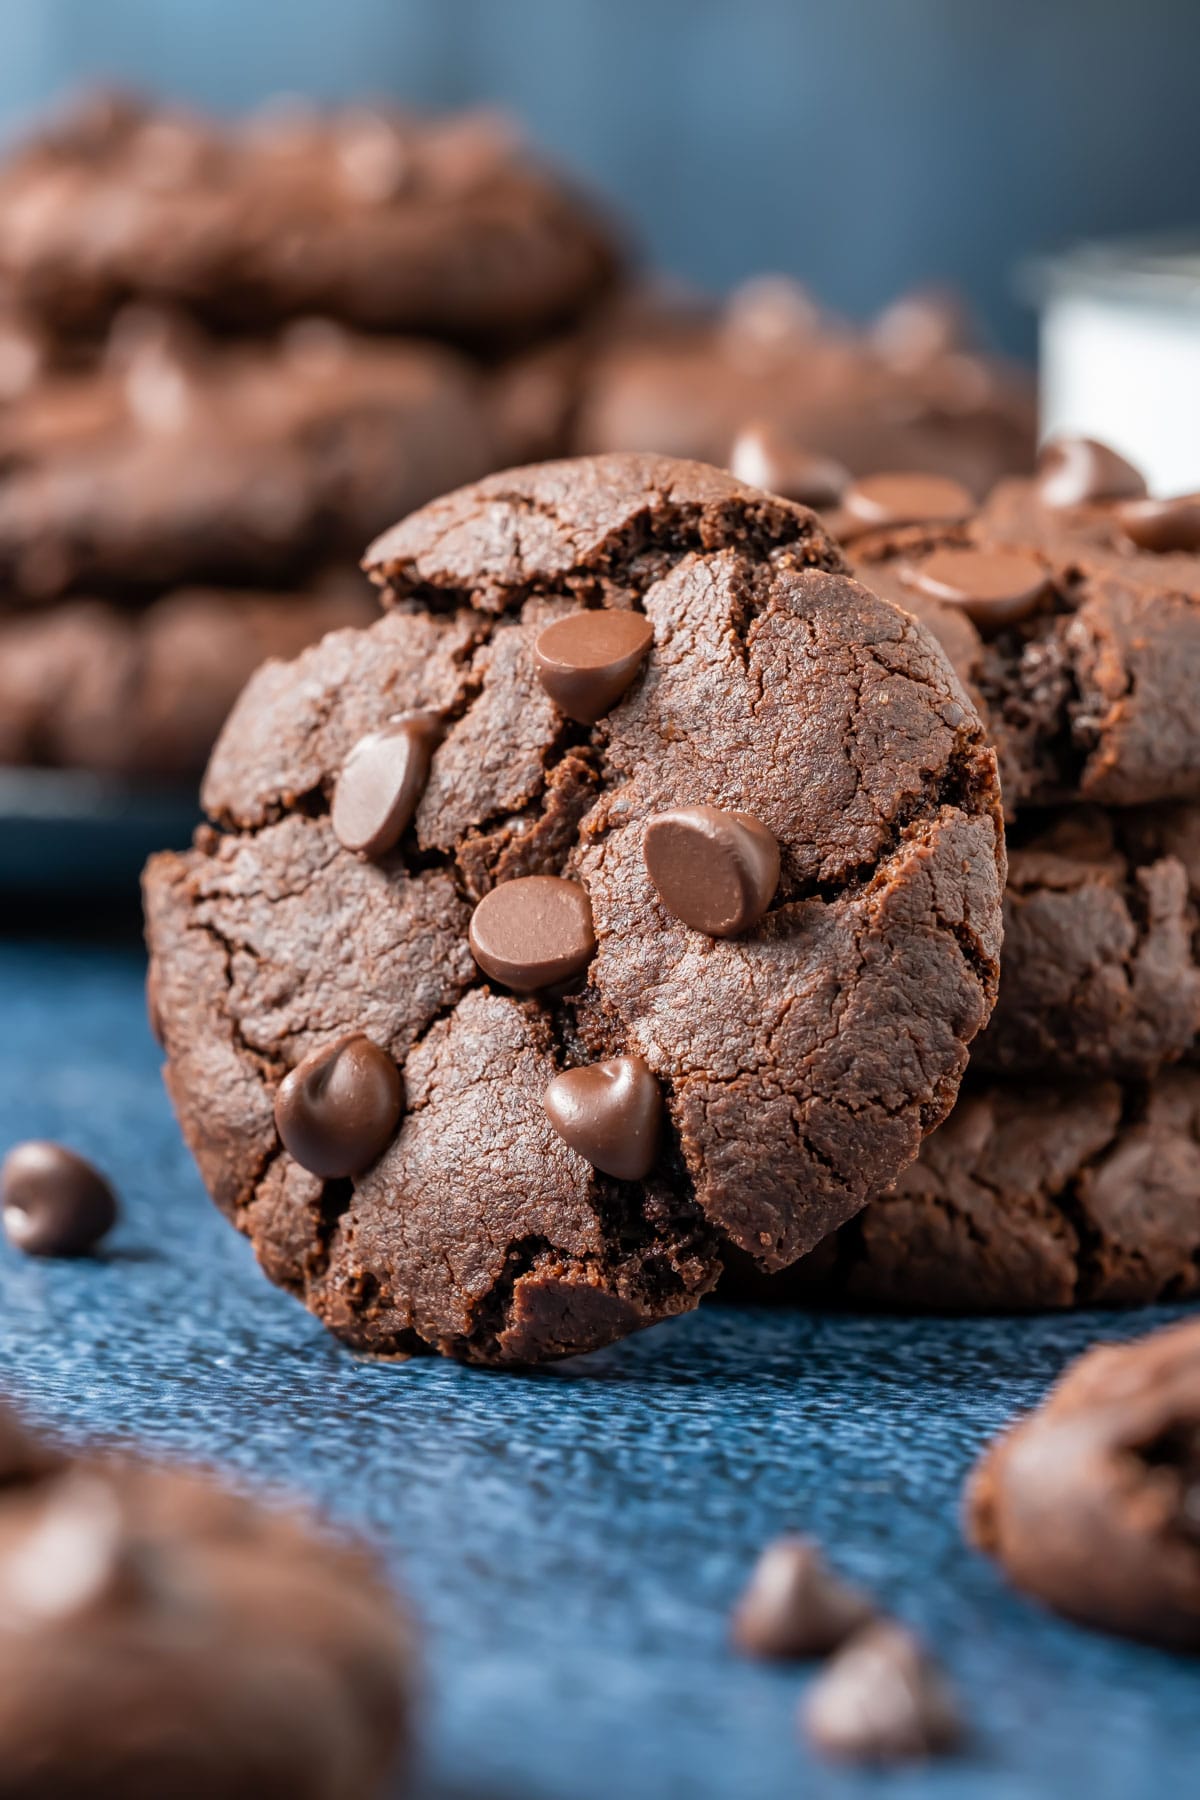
(610, 1112)
(338, 1110)
(586, 661)
(55, 1203)
(717, 871)
(765, 457)
(1071, 471)
(881, 1699)
(75, 1556)
(1162, 525)
(795, 1605)
(906, 500)
(995, 588)
(535, 932)
(381, 782)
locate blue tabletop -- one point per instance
(572, 1539)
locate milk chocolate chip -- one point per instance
(586, 661)
(881, 1699)
(906, 500)
(535, 932)
(994, 588)
(610, 1112)
(717, 871)
(338, 1109)
(1072, 471)
(381, 782)
(1162, 525)
(795, 1605)
(55, 1203)
(766, 457)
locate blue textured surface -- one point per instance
(572, 1539)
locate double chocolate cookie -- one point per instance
(1092, 1503)
(443, 227)
(160, 1636)
(629, 891)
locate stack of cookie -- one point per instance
(228, 356)
(1069, 1171)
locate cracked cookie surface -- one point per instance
(800, 1062)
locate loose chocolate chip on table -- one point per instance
(1162, 525)
(338, 1109)
(534, 932)
(795, 1605)
(1071, 471)
(717, 871)
(381, 782)
(55, 1203)
(610, 1112)
(586, 661)
(906, 500)
(765, 457)
(995, 588)
(881, 1699)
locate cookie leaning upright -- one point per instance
(757, 925)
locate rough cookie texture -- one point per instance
(181, 460)
(800, 1063)
(88, 684)
(1026, 1199)
(1092, 1503)
(440, 226)
(1091, 697)
(160, 1635)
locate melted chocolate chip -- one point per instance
(55, 1203)
(1162, 525)
(586, 661)
(795, 1605)
(381, 782)
(995, 588)
(338, 1110)
(765, 457)
(610, 1112)
(535, 932)
(717, 871)
(879, 500)
(881, 1699)
(1073, 471)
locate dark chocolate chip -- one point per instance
(611, 1113)
(994, 588)
(795, 1605)
(878, 500)
(881, 1699)
(1073, 471)
(381, 782)
(586, 661)
(55, 1203)
(765, 457)
(338, 1110)
(535, 932)
(717, 871)
(1162, 525)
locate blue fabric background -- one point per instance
(572, 1539)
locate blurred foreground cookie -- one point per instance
(658, 861)
(1092, 1503)
(160, 1636)
(445, 227)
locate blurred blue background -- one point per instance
(863, 144)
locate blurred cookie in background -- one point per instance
(445, 226)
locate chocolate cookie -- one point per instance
(88, 684)
(1030, 1198)
(1092, 1503)
(812, 393)
(161, 1636)
(442, 226)
(1086, 645)
(180, 460)
(661, 858)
